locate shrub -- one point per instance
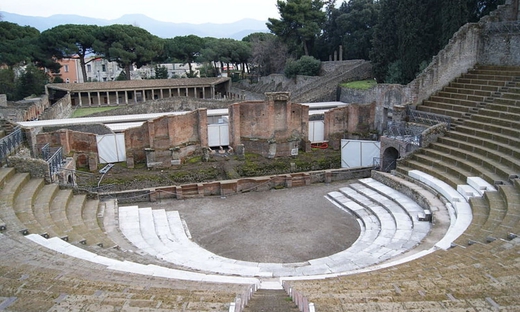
(306, 66)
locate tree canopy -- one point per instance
(17, 43)
(128, 45)
(300, 23)
(70, 40)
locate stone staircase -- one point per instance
(272, 301)
(483, 277)
(30, 206)
(480, 158)
(484, 142)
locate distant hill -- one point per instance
(235, 30)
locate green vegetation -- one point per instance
(86, 111)
(360, 84)
(399, 37)
(306, 65)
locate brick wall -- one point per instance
(81, 144)
(271, 128)
(158, 140)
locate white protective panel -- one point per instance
(317, 131)
(356, 153)
(218, 135)
(111, 148)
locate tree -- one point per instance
(268, 53)
(161, 72)
(7, 83)
(17, 43)
(70, 40)
(184, 48)
(32, 81)
(306, 65)
(384, 43)
(355, 26)
(128, 45)
(300, 24)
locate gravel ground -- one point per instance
(280, 226)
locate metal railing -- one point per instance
(403, 133)
(10, 143)
(427, 118)
(55, 162)
(378, 165)
(503, 27)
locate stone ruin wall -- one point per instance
(82, 145)
(167, 140)
(472, 44)
(272, 128)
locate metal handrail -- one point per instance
(10, 143)
(55, 163)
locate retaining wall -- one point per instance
(232, 187)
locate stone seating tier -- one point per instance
(34, 278)
(456, 279)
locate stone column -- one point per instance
(117, 97)
(135, 96)
(80, 100)
(98, 98)
(89, 98)
(108, 97)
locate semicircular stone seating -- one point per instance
(50, 235)
(478, 162)
(389, 227)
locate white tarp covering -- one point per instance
(111, 148)
(316, 131)
(218, 135)
(357, 153)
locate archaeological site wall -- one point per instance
(272, 128)
(495, 40)
(165, 141)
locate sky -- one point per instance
(175, 11)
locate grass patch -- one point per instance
(360, 85)
(86, 111)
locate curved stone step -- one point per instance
(6, 174)
(511, 221)
(89, 214)
(480, 165)
(41, 209)
(57, 210)
(460, 211)
(398, 203)
(73, 213)
(480, 210)
(499, 154)
(23, 205)
(388, 223)
(497, 212)
(7, 196)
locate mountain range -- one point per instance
(236, 30)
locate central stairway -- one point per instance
(271, 300)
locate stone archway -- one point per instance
(390, 156)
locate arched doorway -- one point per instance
(390, 156)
